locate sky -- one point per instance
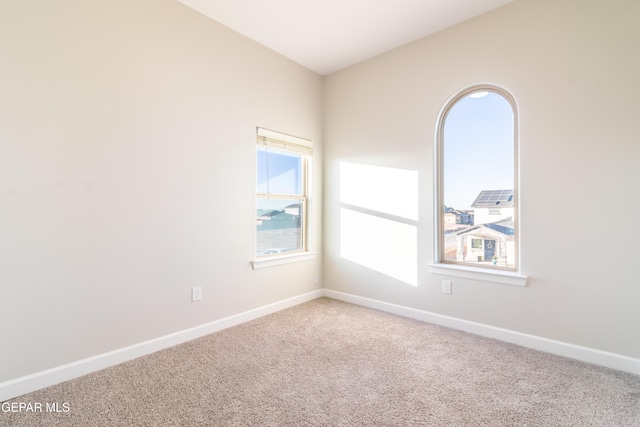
(278, 173)
(478, 149)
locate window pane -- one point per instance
(478, 181)
(278, 171)
(279, 225)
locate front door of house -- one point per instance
(489, 249)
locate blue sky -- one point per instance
(283, 172)
(478, 149)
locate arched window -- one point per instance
(477, 179)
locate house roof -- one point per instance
(504, 226)
(494, 198)
(508, 231)
(448, 210)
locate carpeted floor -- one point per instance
(328, 363)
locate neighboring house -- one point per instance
(278, 230)
(449, 219)
(466, 217)
(492, 206)
(487, 243)
(274, 219)
(454, 217)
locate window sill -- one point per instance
(494, 276)
(272, 261)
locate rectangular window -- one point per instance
(282, 170)
(476, 243)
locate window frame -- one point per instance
(286, 143)
(476, 243)
(492, 273)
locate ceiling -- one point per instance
(329, 35)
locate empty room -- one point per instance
(284, 212)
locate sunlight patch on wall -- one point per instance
(386, 246)
(378, 219)
(386, 190)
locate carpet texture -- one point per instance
(329, 363)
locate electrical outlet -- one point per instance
(446, 286)
(196, 293)
(316, 278)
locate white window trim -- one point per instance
(271, 261)
(483, 274)
(304, 147)
(487, 274)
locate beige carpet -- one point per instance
(328, 363)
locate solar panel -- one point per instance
(486, 198)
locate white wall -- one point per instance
(127, 173)
(127, 147)
(573, 68)
(482, 215)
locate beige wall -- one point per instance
(573, 68)
(127, 173)
(127, 147)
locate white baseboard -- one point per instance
(29, 383)
(585, 354)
